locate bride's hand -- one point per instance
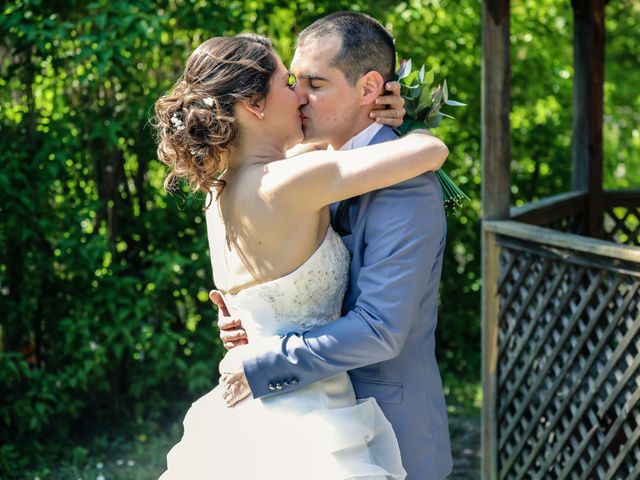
(390, 107)
(235, 388)
(232, 378)
(231, 332)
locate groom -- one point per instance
(396, 237)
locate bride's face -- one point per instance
(282, 106)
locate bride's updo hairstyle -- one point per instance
(196, 122)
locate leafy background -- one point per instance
(106, 333)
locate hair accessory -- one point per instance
(208, 101)
(177, 123)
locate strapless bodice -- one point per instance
(306, 298)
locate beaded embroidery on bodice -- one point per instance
(306, 298)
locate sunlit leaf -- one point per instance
(454, 103)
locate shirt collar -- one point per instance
(363, 138)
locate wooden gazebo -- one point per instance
(561, 289)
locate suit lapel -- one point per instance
(340, 219)
(384, 135)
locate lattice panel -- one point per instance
(569, 224)
(568, 367)
(622, 225)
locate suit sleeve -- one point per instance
(404, 238)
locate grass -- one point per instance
(143, 456)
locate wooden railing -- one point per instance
(562, 348)
(566, 213)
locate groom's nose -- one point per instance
(302, 96)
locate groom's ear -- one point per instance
(371, 85)
(254, 106)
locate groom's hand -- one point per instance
(389, 109)
(231, 332)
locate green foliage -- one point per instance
(422, 105)
(104, 277)
(422, 101)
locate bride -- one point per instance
(225, 128)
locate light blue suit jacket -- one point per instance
(386, 337)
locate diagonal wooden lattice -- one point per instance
(570, 224)
(622, 224)
(568, 398)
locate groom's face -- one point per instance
(330, 102)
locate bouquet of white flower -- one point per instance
(422, 104)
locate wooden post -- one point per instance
(496, 157)
(496, 106)
(588, 100)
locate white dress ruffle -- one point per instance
(318, 432)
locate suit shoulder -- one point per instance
(426, 183)
(419, 197)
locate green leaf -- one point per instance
(429, 77)
(421, 75)
(412, 77)
(425, 100)
(454, 103)
(445, 90)
(405, 70)
(410, 107)
(407, 91)
(101, 21)
(435, 121)
(437, 96)
(409, 124)
(33, 422)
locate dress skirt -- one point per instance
(319, 432)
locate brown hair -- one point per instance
(366, 45)
(196, 122)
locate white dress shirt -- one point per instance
(362, 139)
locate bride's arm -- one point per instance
(316, 179)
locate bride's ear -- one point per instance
(254, 106)
(371, 86)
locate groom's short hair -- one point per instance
(366, 44)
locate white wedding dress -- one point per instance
(318, 432)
